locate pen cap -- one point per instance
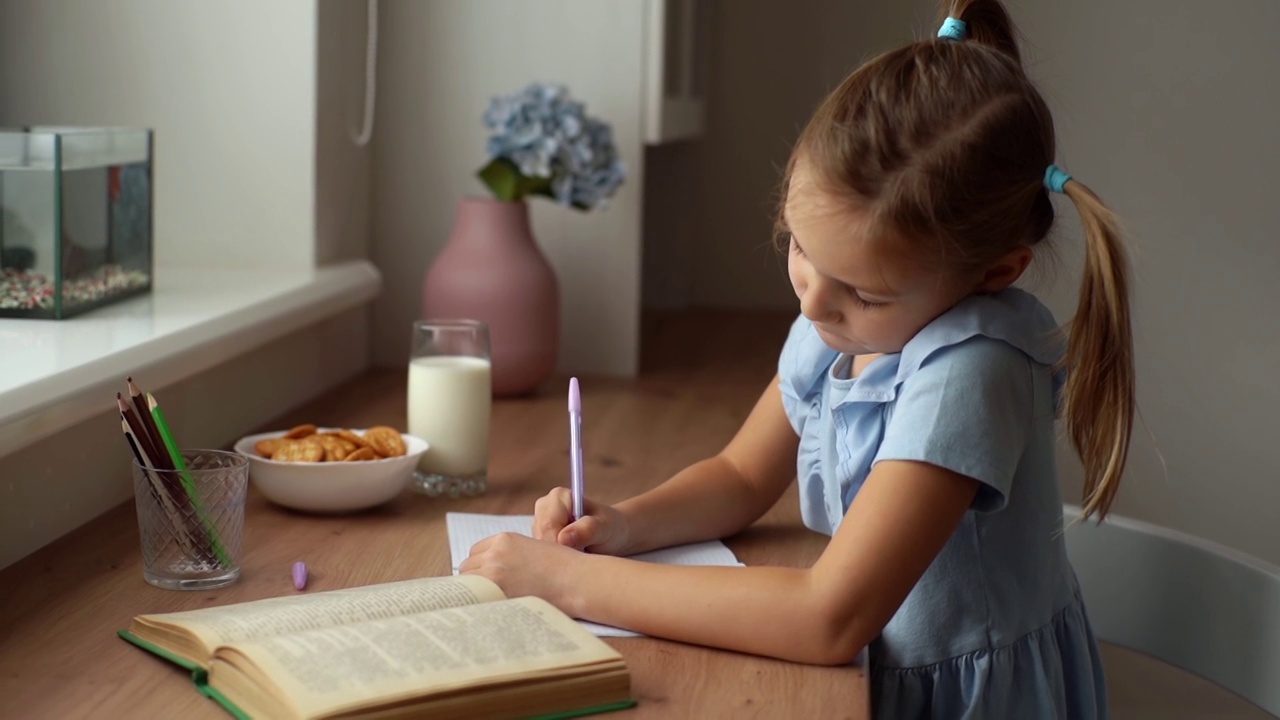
(575, 399)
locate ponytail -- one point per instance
(1099, 395)
(986, 23)
(1099, 392)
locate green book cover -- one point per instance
(587, 711)
(201, 680)
(198, 674)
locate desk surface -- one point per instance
(60, 608)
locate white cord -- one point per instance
(370, 76)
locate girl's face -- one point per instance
(864, 295)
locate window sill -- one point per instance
(54, 374)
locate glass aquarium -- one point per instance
(77, 226)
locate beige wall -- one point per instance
(344, 170)
(1169, 111)
(709, 203)
(228, 87)
(441, 62)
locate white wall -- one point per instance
(441, 62)
(1169, 111)
(230, 89)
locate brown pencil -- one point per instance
(148, 423)
(158, 459)
(159, 493)
(140, 435)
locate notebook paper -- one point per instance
(467, 529)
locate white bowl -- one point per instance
(330, 487)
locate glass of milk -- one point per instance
(449, 405)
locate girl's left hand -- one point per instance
(521, 565)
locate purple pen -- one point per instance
(299, 575)
(576, 487)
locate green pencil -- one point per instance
(180, 465)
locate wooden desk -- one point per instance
(60, 607)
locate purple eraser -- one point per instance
(575, 400)
(299, 575)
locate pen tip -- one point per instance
(575, 399)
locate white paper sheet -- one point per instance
(467, 529)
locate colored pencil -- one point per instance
(149, 450)
(193, 493)
(158, 459)
(158, 492)
(148, 424)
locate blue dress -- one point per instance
(996, 627)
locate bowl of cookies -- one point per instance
(331, 470)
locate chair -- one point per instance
(1185, 601)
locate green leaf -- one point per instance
(507, 183)
(543, 188)
(502, 178)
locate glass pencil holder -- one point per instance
(191, 520)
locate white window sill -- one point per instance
(54, 374)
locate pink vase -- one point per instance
(492, 270)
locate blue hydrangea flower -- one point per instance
(547, 135)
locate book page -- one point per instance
(467, 529)
(306, 611)
(379, 661)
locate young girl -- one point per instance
(915, 404)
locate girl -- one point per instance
(915, 404)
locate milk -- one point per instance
(449, 400)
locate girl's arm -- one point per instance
(721, 495)
(901, 518)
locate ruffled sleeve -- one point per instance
(968, 408)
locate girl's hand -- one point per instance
(603, 531)
(523, 566)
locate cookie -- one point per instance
(352, 438)
(385, 441)
(334, 449)
(267, 448)
(301, 431)
(305, 443)
(300, 451)
(364, 453)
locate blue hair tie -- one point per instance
(1055, 179)
(953, 28)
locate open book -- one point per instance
(452, 647)
(467, 529)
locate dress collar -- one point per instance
(1013, 316)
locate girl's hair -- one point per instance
(945, 144)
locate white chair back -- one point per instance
(1188, 602)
